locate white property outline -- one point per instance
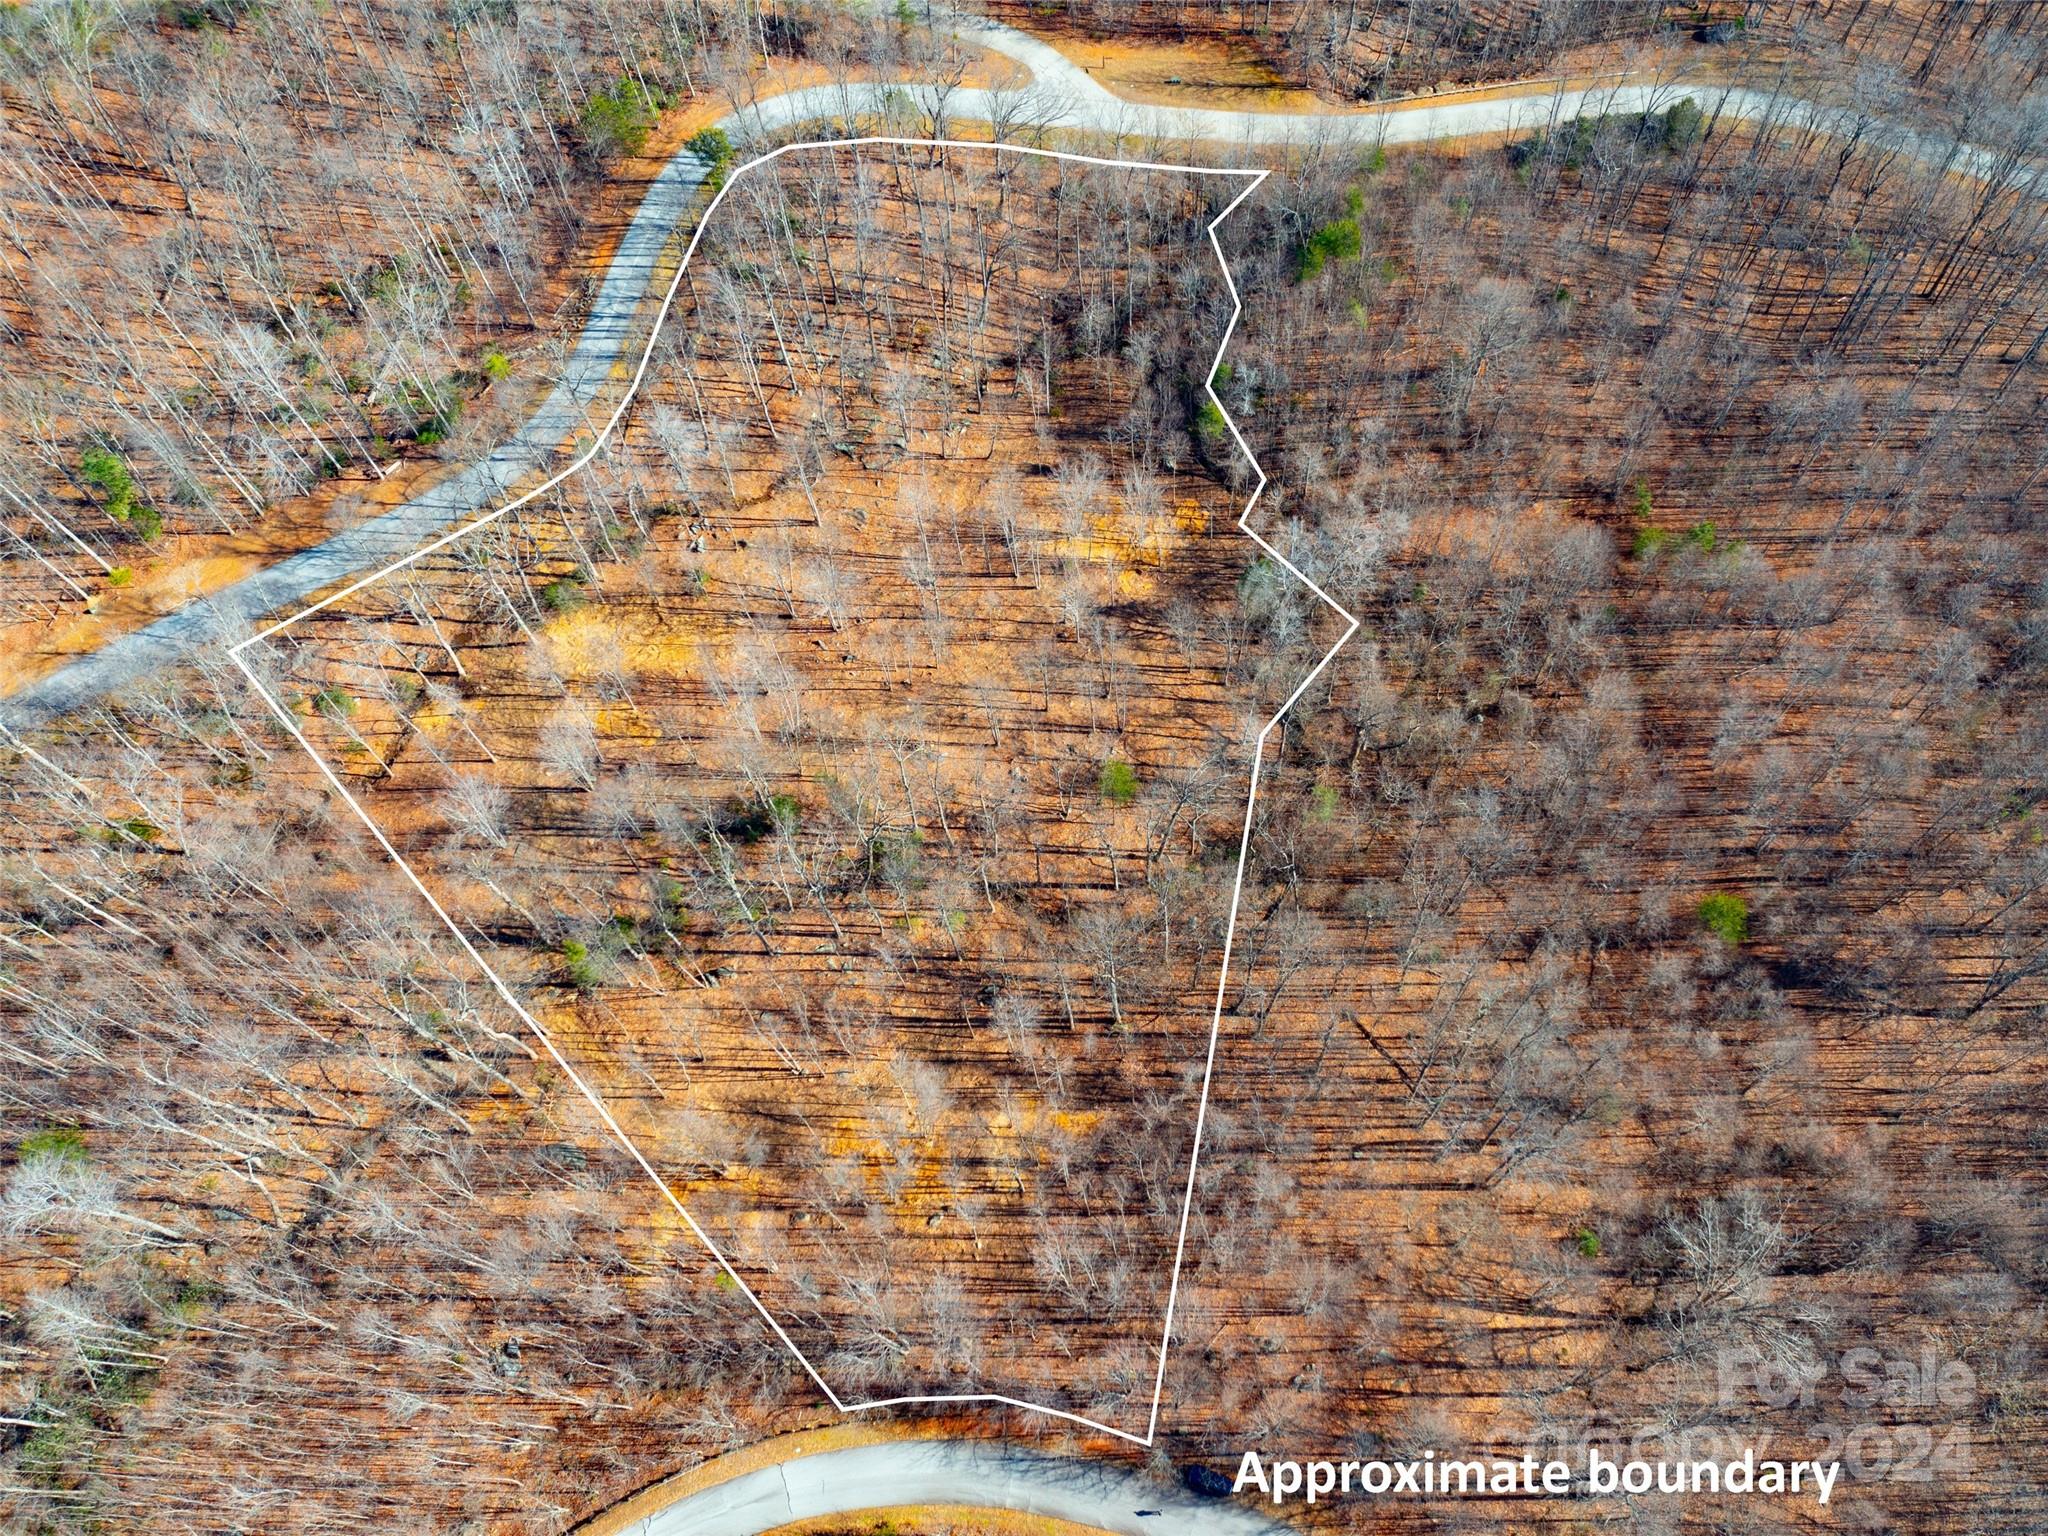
(1253, 177)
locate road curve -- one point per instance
(1060, 95)
(987, 1476)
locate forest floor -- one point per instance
(1015, 645)
(193, 565)
(1197, 73)
(189, 564)
(1701, 577)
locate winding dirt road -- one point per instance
(1059, 95)
(898, 1473)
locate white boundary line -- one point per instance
(1253, 177)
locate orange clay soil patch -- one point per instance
(1233, 76)
(1194, 74)
(183, 567)
(936, 1520)
(983, 69)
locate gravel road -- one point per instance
(1060, 94)
(949, 1472)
